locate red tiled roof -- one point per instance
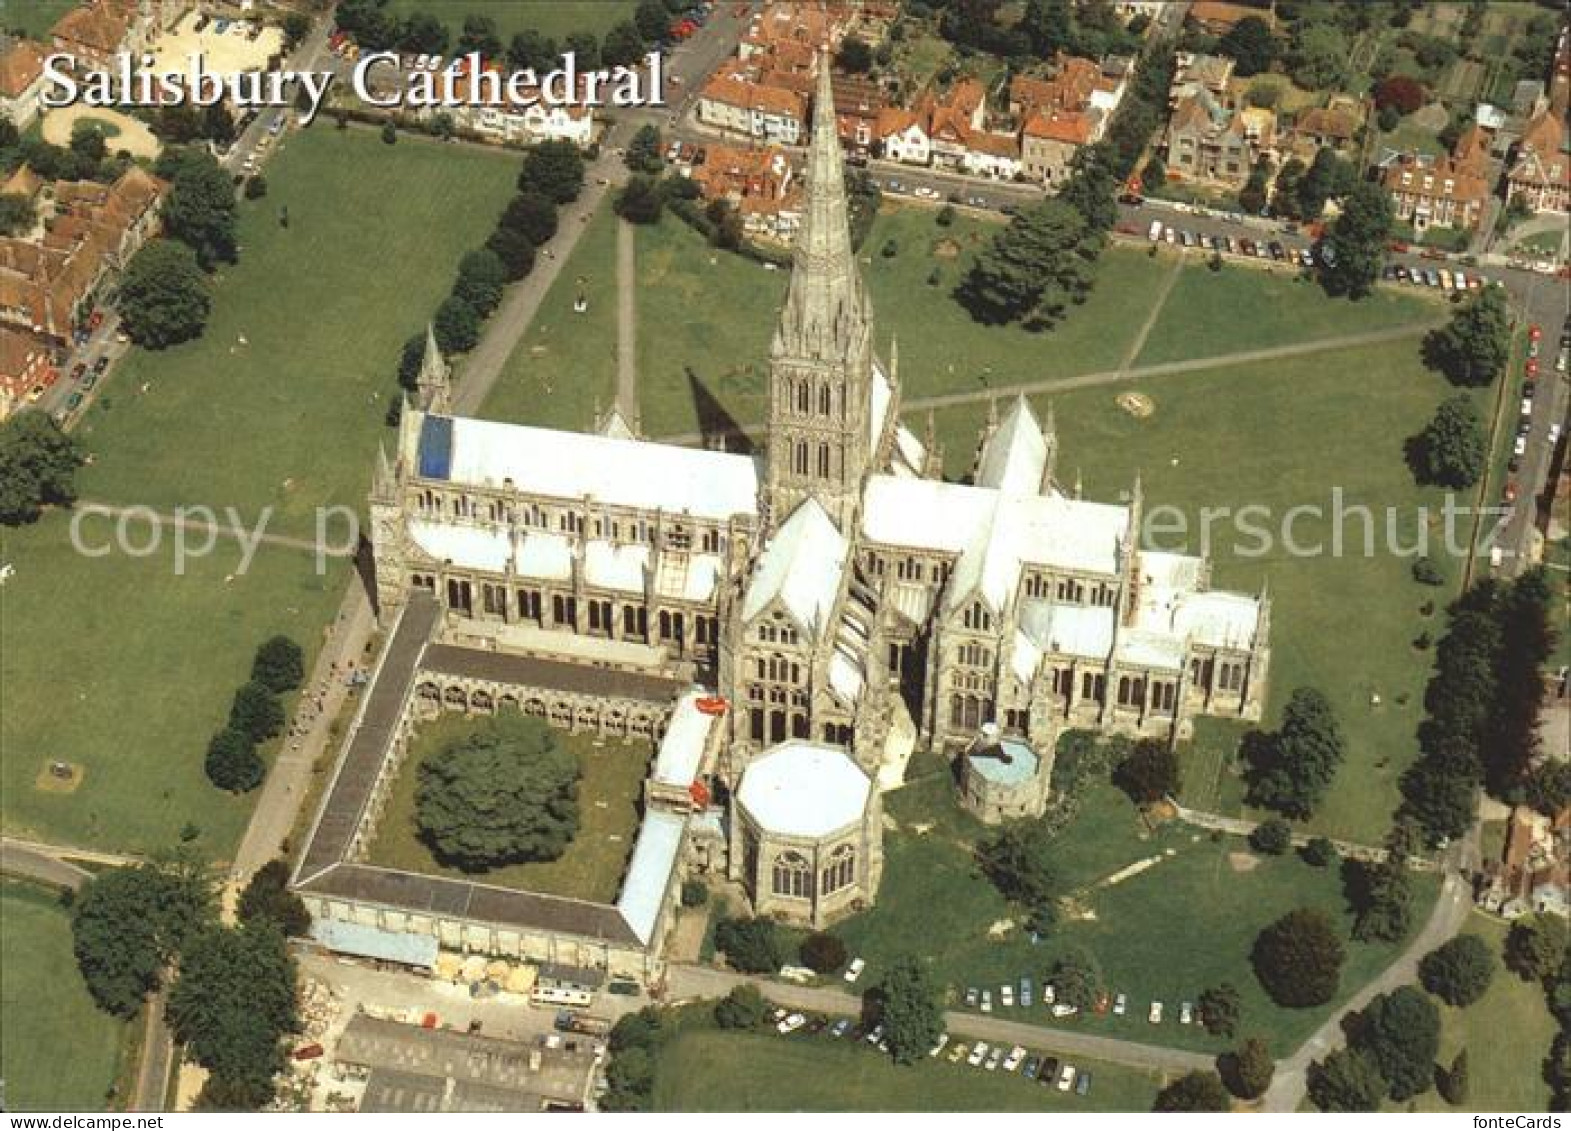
(20, 68)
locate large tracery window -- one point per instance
(793, 876)
(841, 869)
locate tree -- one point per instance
(16, 214)
(1548, 787)
(267, 898)
(586, 48)
(456, 325)
(255, 187)
(38, 465)
(1220, 1007)
(1458, 971)
(256, 711)
(1471, 349)
(1328, 177)
(1273, 837)
(200, 208)
(1318, 56)
(743, 1008)
(1535, 946)
(1077, 979)
(1452, 1082)
(1092, 190)
(531, 51)
(1153, 178)
(297, 25)
(164, 298)
(1400, 1033)
(482, 277)
(128, 924)
(1033, 270)
(1452, 449)
(1019, 860)
(623, 46)
(855, 56)
(1251, 46)
(640, 201)
(749, 945)
(1298, 958)
(1381, 895)
(1290, 770)
(232, 763)
(533, 214)
(1511, 740)
(515, 251)
(1346, 1080)
(1194, 1091)
(645, 151)
(389, 134)
(423, 34)
(555, 169)
(1049, 26)
(1252, 197)
(506, 792)
(234, 1002)
(1401, 93)
(1247, 1070)
(823, 953)
(87, 141)
(279, 665)
(479, 34)
(1149, 773)
(695, 893)
(906, 1003)
(1352, 254)
(1319, 852)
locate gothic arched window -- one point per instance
(793, 876)
(823, 399)
(801, 457)
(823, 461)
(841, 869)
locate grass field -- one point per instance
(1506, 1034)
(567, 360)
(1248, 307)
(57, 1051)
(1281, 435)
(555, 18)
(707, 1070)
(1165, 934)
(33, 18)
(115, 662)
(289, 417)
(608, 803)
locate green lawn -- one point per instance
(290, 419)
(555, 18)
(34, 18)
(117, 663)
(124, 668)
(609, 794)
(1250, 307)
(567, 361)
(1506, 1034)
(1167, 933)
(57, 1051)
(1280, 435)
(707, 1070)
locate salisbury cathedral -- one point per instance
(835, 602)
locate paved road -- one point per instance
(626, 321)
(684, 981)
(1450, 912)
(35, 862)
(158, 1057)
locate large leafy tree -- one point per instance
(1250, 44)
(1382, 898)
(1512, 742)
(1400, 1032)
(1536, 945)
(479, 34)
(1194, 1091)
(1346, 1080)
(200, 208)
(128, 924)
(267, 898)
(506, 792)
(1298, 958)
(1328, 177)
(1019, 860)
(743, 1008)
(555, 169)
(1077, 979)
(1318, 54)
(905, 1002)
(1459, 970)
(1149, 773)
(482, 277)
(456, 325)
(1353, 251)
(233, 1004)
(533, 214)
(38, 465)
(1451, 450)
(1220, 1007)
(530, 50)
(1034, 269)
(622, 46)
(1248, 1069)
(232, 762)
(164, 297)
(1291, 769)
(279, 664)
(256, 712)
(1471, 349)
(750, 945)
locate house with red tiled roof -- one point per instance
(759, 183)
(21, 82)
(1068, 108)
(858, 104)
(95, 32)
(902, 136)
(730, 101)
(1048, 143)
(1540, 176)
(25, 370)
(952, 120)
(992, 155)
(1435, 191)
(1216, 17)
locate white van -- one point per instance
(1155, 234)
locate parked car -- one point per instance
(1064, 1009)
(1527, 406)
(943, 1039)
(1032, 1067)
(1006, 996)
(875, 1035)
(73, 402)
(1049, 994)
(957, 1052)
(854, 971)
(1155, 1015)
(1186, 1013)
(978, 1054)
(994, 1059)
(1066, 1077)
(1120, 1005)
(1082, 1083)
(987, 1001)
(791, 1024)
(972, 997)
(1048, 1073)
(1025, 993)
(838, 1029)
(1519, 447)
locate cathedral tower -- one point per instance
(821, 360)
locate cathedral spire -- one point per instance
(434, 386)
(826, 313)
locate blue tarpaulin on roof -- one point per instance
(373, 942)
(436, 447)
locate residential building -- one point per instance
(1207, 141)
(1049, 141)
(1199, 72)
(1540, 173)
(1450, 191)
(25, 369)
(96, 31)
(21, 82)
(1335, 126)
(903, 136)
(951, 121)
(1215, 17)
(758, 183)
(1070, 108)
(858, 104)
(995, 156)
(731, 102)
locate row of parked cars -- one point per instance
(1444, 278)
(1243, 246)
(1117, 1004)
(1045, 1070)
